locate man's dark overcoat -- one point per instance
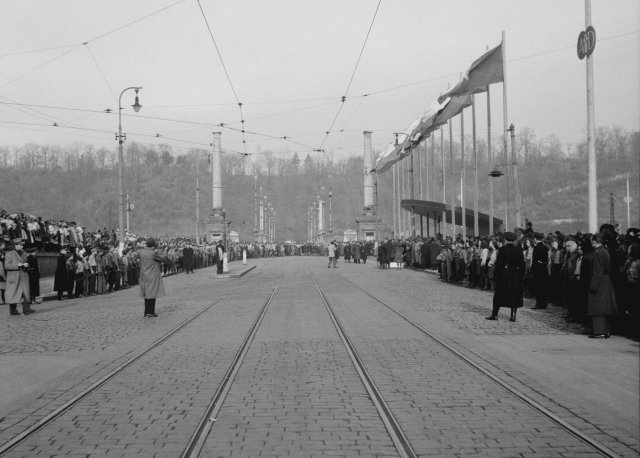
(508, 274)
(61, 280)
(187, 259)
(602, 298)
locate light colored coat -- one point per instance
(151, 285)
(17, 280)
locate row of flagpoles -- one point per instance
(490, 68)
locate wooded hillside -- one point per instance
(79, 183)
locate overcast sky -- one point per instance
(289, 62)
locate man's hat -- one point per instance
(151, 242)
(510, 237)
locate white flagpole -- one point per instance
(628, 204)
(393, 173)
(444, 185)
(490, 161)
(476, 224)
(463, 177)
(505, 125)
(453, 193)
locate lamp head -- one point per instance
(136, 106)
(495, 173)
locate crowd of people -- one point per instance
(591, 275)
(90, 263)
(595, 277)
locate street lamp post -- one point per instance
(121, 138)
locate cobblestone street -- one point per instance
(296, 391)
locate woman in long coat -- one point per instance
(509, 273)
(601, 303)
(151, 285)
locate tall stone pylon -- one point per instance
(216, 223)
(368, 221)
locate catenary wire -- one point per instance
(226, 72)
(344, 97)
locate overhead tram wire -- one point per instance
(353, 74)
(104, 78)
(226, 72)
(77, 45)
(22, 75)
(15, 104)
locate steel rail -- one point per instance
(7, 446)
(605, 451)
(399, 438)
(199, 437)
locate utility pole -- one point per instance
(516, 183)
(197, 209)
(591, 134)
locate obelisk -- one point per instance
(216, 224)
(368, 222)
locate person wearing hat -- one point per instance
(332, 254)
(3, 273)
(151, 285)
(16, 267)
(508, 274)
(601, 302)
(539, 270)
(61, 279)
(34, 273)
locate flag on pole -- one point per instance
(485, 70)
(451, 108)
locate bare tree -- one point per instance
(4, 156)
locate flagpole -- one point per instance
(420, 172)
(476, 228)
(444, 184)
(453, 193)
(505, 124)
(412, 193)
(431, 191)
(463, 180)
(490, 161)
(393, 173)
(591, 134)
(628, 204)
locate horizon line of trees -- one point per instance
(80, 182)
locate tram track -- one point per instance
(51, 417)
(199, 437)
(67, 406)
(398, 436)
(530, 402)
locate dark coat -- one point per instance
(540, 261)
(508, 274)
(187, 258)
(61, 280)
(602, 299)
(34, 275)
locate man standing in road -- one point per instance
(509, 273)
(332, 255)
(16, 267)
(151, 285)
